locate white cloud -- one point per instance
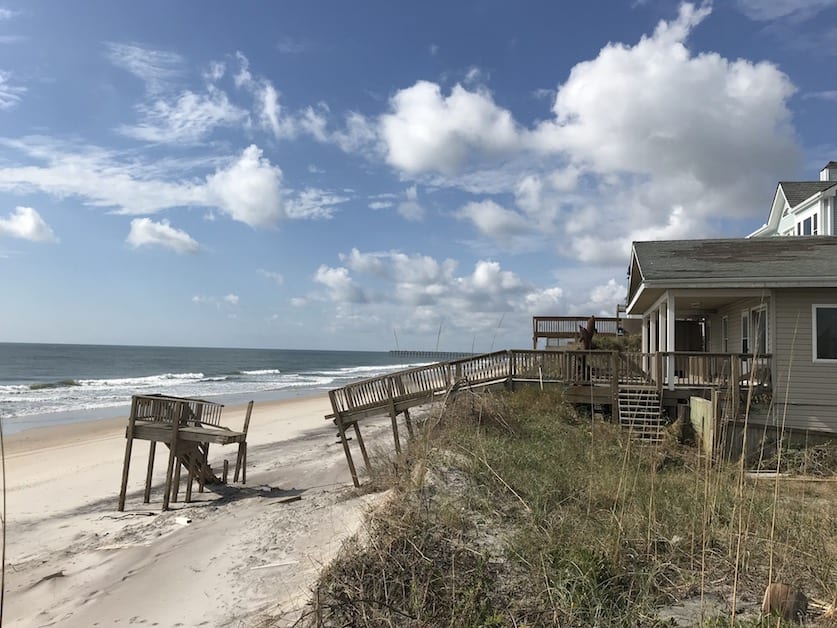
(313, 121)
(766, 10)
(274, 276)
(294, 46)
(341, 286)
(155, 68)
(314, 203)
(359, 135)
(7, 14)
(246, 188)
(146, 232)
(231, 299)
(381, 204)
(249, 190)
(187, 118)
(829, 95)
(410, 209)
(667, 139)
(426, 131)
(494, 221)
(9, 94)
(27, 224)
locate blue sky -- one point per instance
(331, 174)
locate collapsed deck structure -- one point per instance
(187, 427)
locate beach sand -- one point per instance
(73, 560)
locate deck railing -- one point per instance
(567, 327)
(163, 409)
(675, 369)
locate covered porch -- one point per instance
(706, 337)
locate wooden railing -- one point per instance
(163, 409)
(567, 326)
(600, 368)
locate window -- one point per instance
(825, 332)
(809, 226)
(725, 334)
(745, 332)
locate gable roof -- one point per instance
(798, 191)
(805, 261)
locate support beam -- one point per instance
(670, 324)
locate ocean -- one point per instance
(48, 384)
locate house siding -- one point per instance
(804, 391)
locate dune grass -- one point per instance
(514, 509)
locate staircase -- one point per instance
(193, 458)
(640, 411)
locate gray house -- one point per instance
(757, 310)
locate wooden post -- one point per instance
(614, 383)
(241, 459)
(362, 447)
(203, 455)
(226, 471)
(409, 422)
(394, 418)
(734, 384)
(129, 436)
(152, 451)
(338, 420)
(175, 423)
(175, 487)
(189, 480)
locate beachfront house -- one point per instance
(803, 207)
(760, 311)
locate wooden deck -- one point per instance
(592, 377)
(566, 327)
(187, 427)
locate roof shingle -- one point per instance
(783, 258)
(798, 191)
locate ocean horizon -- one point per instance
(45, 384)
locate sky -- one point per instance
(375, 175)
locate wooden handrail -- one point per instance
(422, 383)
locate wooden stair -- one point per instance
(640, 411)
(192, 456)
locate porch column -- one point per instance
(661, 342)
(670, 319)
(652, 332)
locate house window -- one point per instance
(745, 332)
(725, 334)
(825, 332)
(809, 226)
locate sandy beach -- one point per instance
(73, 560)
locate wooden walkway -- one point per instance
(593, 377)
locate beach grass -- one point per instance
(517, 509)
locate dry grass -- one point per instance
(514, 510)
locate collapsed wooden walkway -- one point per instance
(187, 427)
(635, 385)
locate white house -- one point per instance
(803, 207)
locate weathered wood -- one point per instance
(188, 427)
(241, 458)
(129, 436)
(152, 451)
(362, 447)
